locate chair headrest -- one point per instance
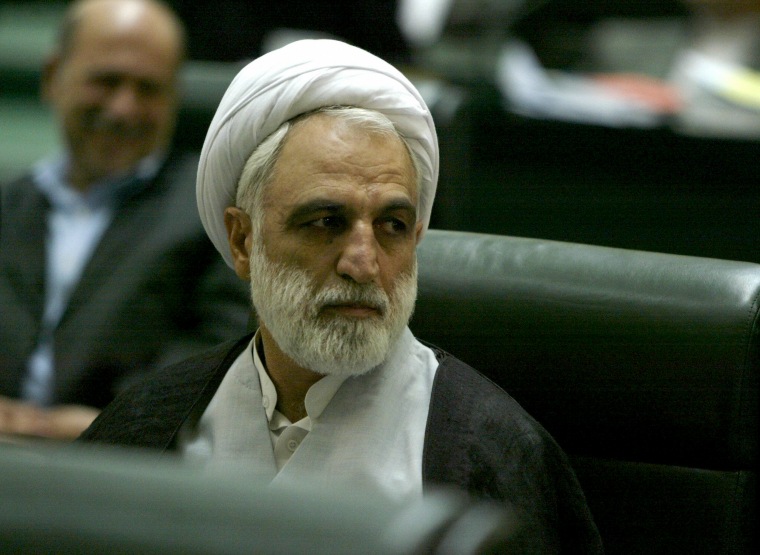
(634, 355)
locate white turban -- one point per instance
(298, 78)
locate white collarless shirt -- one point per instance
(365, 431)
(286, 435)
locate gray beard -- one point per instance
(286, 303)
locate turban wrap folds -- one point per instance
(298, 78)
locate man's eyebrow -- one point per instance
(401, 204)
(312, 207)
(316, 206)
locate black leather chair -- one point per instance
(644, 366)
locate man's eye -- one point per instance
(394, 226)
(106, 81)
(328, 222)
(149, 88)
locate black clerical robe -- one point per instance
(477, 439)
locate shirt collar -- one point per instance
(318, 396)
(51, 178)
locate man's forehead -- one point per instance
(139, 26)
(322, 152)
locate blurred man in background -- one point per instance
(105, 270)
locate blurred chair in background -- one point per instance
(718, 72)
(585, 129)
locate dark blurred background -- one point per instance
(632, 124)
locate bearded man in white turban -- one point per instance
(316, 184)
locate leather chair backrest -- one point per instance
(644, 367)
(93, 500)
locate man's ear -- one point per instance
(418, 233)
(238, 225)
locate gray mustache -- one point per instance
(369, 295)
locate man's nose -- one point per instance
(359, 259)
(124, 102)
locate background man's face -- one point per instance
(114, 91)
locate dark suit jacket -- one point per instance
(154, 291)
(478, 439)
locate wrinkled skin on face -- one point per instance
(341, 212)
